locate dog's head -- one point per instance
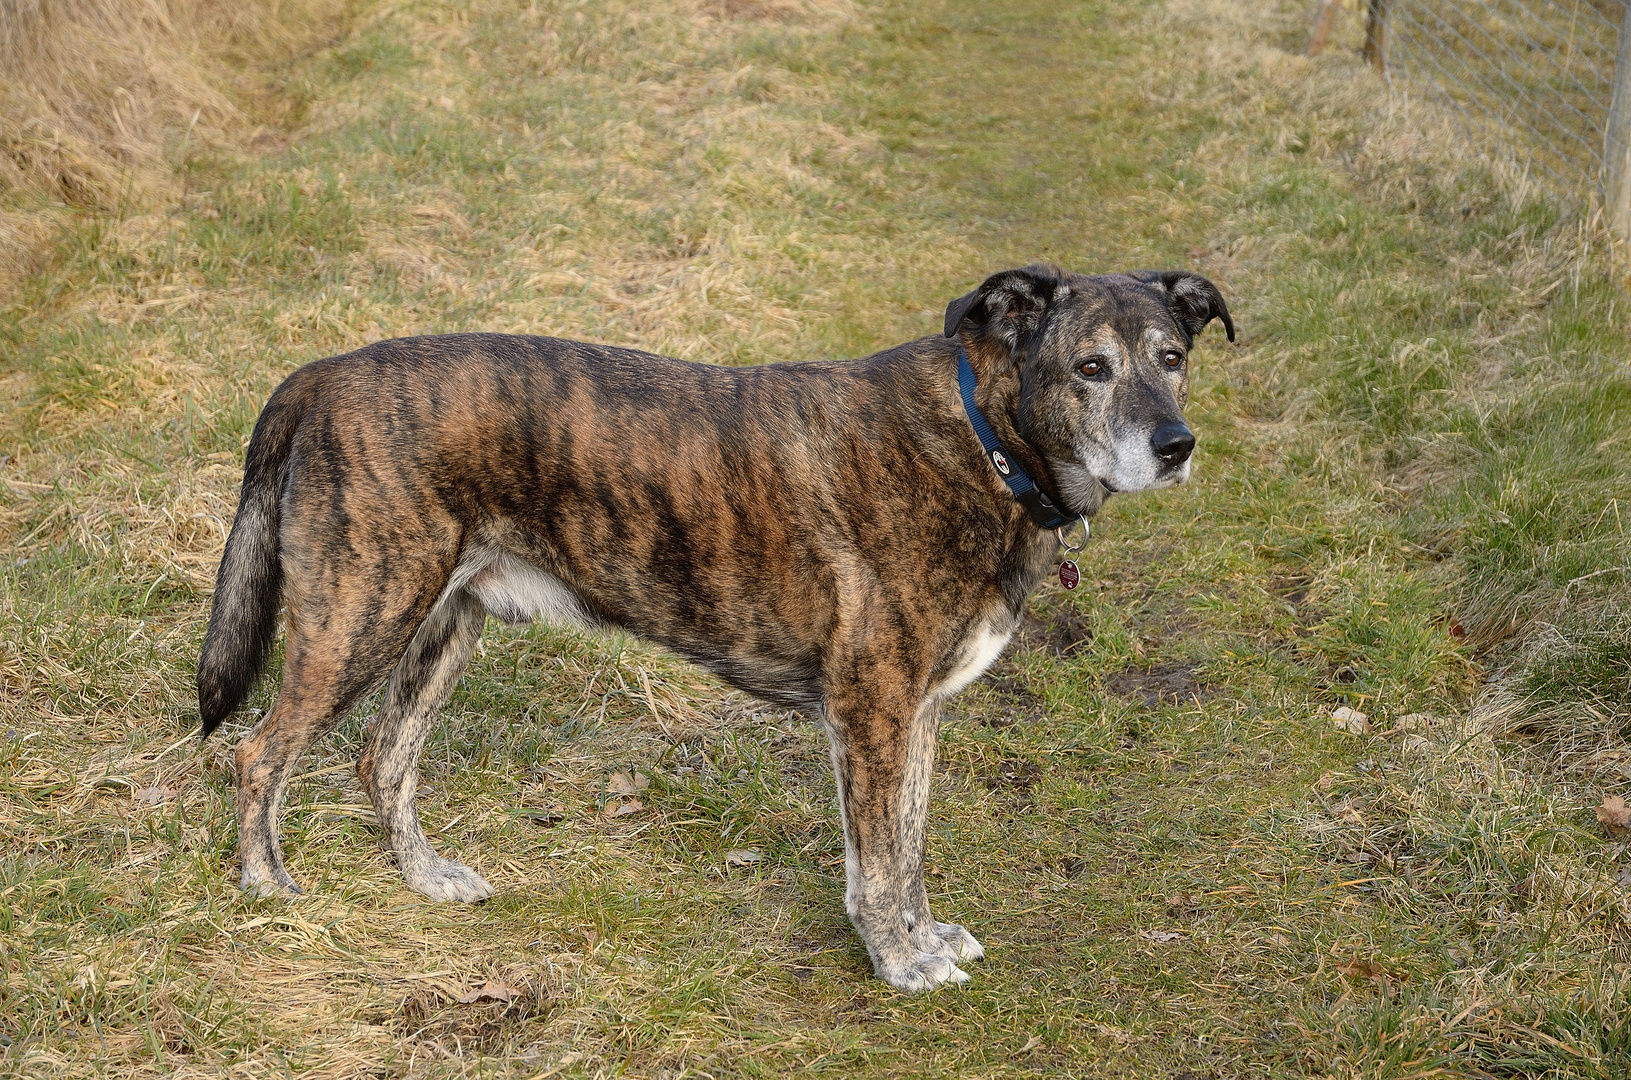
(1101, 366)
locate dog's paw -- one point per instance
(924, 971)
(265, 887)
(444, 879)
(948, 940)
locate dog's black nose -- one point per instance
(1173, 443)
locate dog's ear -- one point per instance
(1194, 300)
(1010, 305)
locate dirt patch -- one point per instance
(1013, 775)
(1290, 588)
(1015, 701)
(1060, 633)
(1014, 692)
(1171, 683)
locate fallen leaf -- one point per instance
(152, 796)
(614, 809)
(1279, 939)
(1362, 969)
(1162, 936)
(1326, 782)
(742, 857)
(1350, 720)
(1614, 815)
(622, 783)
(492, 991)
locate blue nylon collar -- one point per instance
(1042, 509)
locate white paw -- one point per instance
(444, 879)
(948, 940)
(958, 943)
(262, 887)
(924, 972)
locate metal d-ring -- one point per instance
(1066, 544)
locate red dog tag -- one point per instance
(1069, 576)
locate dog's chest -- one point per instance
(978, 650)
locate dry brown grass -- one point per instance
(101, 101)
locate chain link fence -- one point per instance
(1531, 81)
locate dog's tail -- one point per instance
(249, 583)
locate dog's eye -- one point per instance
(1173, 357)
(1092, 368)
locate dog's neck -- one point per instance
(1044, 509)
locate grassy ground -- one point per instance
(1407, 501)
(101, 101)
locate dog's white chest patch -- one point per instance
(515, 591)
(977, 652)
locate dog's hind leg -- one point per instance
(927, 935)
(327, 666)
(389, 769)
(265, 758)
(872, 759)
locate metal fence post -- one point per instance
(1375, 49)
(1617, 140)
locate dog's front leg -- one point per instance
(927, 935)
(872, 750)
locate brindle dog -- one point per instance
(829, 536)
